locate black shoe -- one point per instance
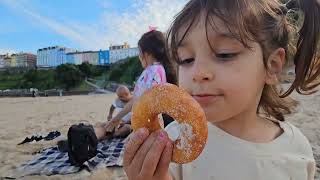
(26, 140)
(37, 138)
(33, 138)
(52, 135)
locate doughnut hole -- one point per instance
(165, 121)
(173, 129)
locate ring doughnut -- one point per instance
(177, 103)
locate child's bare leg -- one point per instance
(123, 131)
(101, 133)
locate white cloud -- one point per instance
(7, 51)
(131, 24)
(112, 28)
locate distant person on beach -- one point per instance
(34, 92)
(158, 69)
(231, 54)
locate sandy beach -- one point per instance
(21, 117)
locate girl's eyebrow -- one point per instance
(182, 44)
(228, 35)
(225, 35)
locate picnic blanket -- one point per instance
(52, 161)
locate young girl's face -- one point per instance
(226, 80)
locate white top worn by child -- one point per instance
(290, 154)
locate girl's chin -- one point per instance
(214, 116)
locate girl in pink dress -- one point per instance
(158, 69)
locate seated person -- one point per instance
(124, 127)
(98, 130)
(124, 96)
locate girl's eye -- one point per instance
(226, 56)
(186, 61)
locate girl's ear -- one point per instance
(275, 65)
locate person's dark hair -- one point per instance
(154, 43)
(273, 25)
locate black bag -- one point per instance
(82, 143)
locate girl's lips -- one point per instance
(206, 99)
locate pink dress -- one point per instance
(152, 75)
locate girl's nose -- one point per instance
(202, 73)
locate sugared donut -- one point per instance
(177, 103)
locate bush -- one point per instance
(86, 68)
(68, 76)
(126, 72)
(40, 79)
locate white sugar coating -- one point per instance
(186, 135)
(183, 132)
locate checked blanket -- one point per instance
(51, 161)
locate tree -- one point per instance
(86, 68)
(68, 76)
(31, 76)
(40, 79)
(126, 72)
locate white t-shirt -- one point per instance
(119, 105)
(226, 157)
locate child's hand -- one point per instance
(121, 124)
(111, 125)
(147, 156)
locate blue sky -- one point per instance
(27, 25)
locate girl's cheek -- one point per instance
(182, 80)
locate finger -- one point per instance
(165, 160)
(153, 156)
(143, 150)
(108, 129)
(126, 140)
(133, 145)
(107, 124)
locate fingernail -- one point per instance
(161, 135)
(141, 130)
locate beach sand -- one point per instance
(21, 117)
